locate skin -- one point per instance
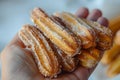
(18, 63)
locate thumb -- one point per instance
(17, 62)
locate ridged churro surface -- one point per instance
(57, 33)
(46, 58)
(85, 33)
(60, 41)
(89, 58)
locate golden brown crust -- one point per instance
(68, 63)
(85, 33)
(55, 32)
(104, 35)
(114, 67)
(89, 58)
(56, 41)
(112, 57)
(117, 38)
(111, 54)
(45, 56)
(114, 24)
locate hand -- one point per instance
(18, 63)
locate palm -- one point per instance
(21, 66)
(19, 63)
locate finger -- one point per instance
(94, 15)
(21, 64)
(15, 42)
(82, 12)
(103, 21)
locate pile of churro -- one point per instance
(62, 42)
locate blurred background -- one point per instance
(15, 13)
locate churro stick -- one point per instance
(115, 24)
(68, 63)
(46, 58)
(114, 67)
(85, 33)
(104, 35)
(117, 38)
(89, 58)
(111, 54)
(58, 34)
